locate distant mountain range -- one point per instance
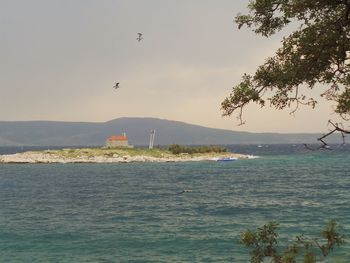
(53, 133)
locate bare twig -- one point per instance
(337, 127)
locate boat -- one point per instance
(227, 159)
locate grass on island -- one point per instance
(108, 152)
(171, 151)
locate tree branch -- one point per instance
(336, 128)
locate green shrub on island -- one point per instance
(178, 149)
(264, 245)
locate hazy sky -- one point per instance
(60, 59)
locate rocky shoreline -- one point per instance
(48, 157)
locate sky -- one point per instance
(59, 60)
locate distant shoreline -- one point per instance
(102, 155)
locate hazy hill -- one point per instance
(45, 133)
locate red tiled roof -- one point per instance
(117, 138)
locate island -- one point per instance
(120, 155)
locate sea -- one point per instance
(171, 212)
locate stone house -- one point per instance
(116, 141)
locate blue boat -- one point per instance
(227, 159)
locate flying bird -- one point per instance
(139, 38)
(116, 85)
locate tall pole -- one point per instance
(151, 139)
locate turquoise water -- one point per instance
(137, 213)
